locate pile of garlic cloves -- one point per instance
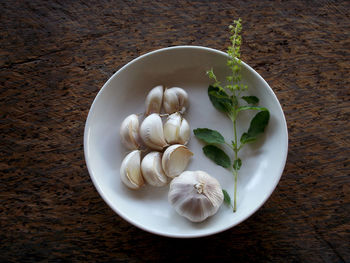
(194, 195)
(166, 154)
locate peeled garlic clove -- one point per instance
(130, 170)
(176, 129)
(129, 132)
(175, 159)
(151, 132)
(195, 195)
(154, 100)
(152, 171)
(175, 100)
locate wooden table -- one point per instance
(56, 55)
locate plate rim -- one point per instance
(140, 226)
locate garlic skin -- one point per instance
(195, 195)
(175, 100)
(175, 159)
(176, 129)
(129, 132)
(152, 171)
(151, 132)
(154, 100)
(130, 170)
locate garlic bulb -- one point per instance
(129, 132)
(175, 100)
(176, 129)
(152, 171)
(195, 195)
(151, 132)
(154, 100)
(130, 170)
(175, 159)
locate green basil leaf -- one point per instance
(259, 122)
(217, 155)
(246, 138)
(251, 108)
(251, 99)
(227, 198)
(209, 136)
(220, 99)
(237, 164)
(257, 126)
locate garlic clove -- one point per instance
(172, 128)
(195, 195)
(151, 132)
(130, 170)
(184, 133)
(175, 100)
(129, 132)
(176, 129)
(175, 159)
(152, 171)
(154, 100)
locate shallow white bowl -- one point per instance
(184, 66)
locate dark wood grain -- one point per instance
(55, 56)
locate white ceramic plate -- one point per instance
(184, 66)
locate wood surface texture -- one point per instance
(56, 55)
